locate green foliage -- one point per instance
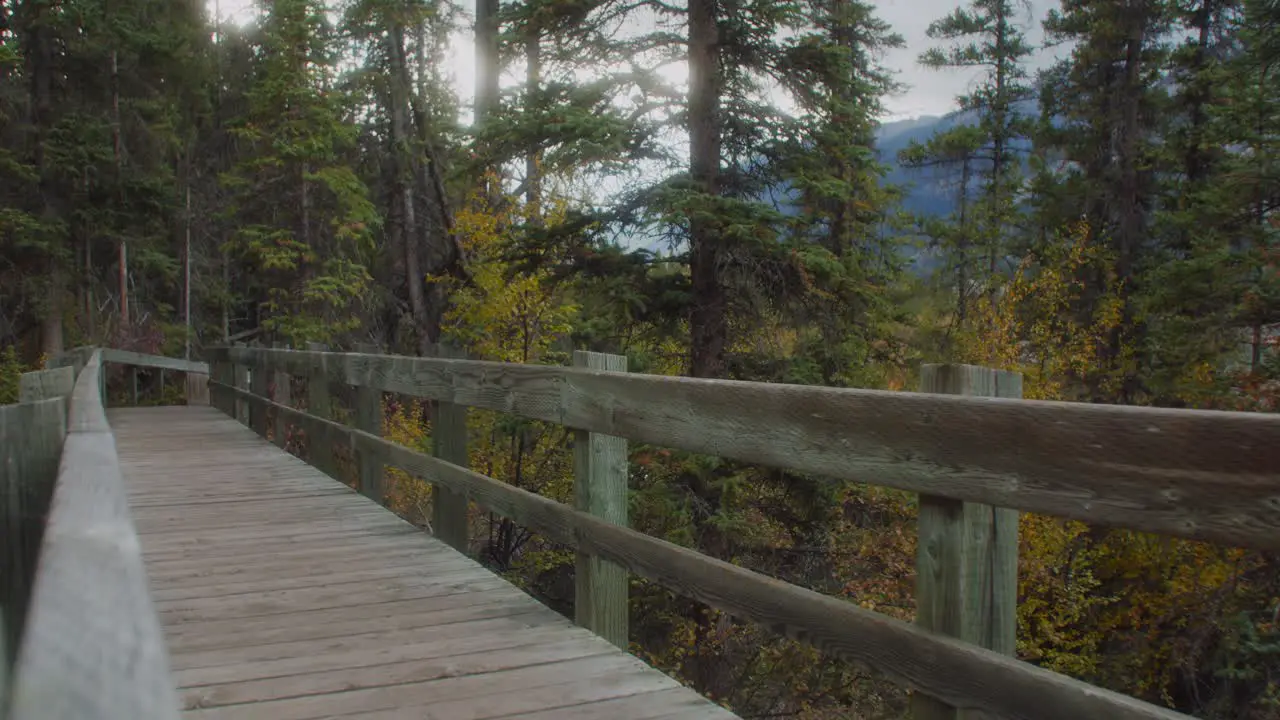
(11, 370)
(336, 196)
(309, 257)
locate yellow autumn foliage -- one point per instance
(507, 315)
(1047, 322)
(1107, 606)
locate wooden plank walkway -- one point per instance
(284, 594)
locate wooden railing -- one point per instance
(1203, 475)
(89, 639)
(32, 432)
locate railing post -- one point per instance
(600, 488)
(319, 404)
(283, 382)
(449, 443)
(369, 419)
(241, 381)
(221, 369)
(133, 384)
(258, 409)
(197, 388)
(967, 553)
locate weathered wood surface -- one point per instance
(31, 439)
(92, 646)
(601, 591)
(967, 553)
(159, 362)
(320, 404)
(368, 417)
(282, 388)
(1197, 474)
(950, 670)
(285, 594)
(45, 384)
(449, 510)
(242, 375)
(197, 388)
(75, 358)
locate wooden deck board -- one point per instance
(285, 594)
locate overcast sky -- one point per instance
(929, 92)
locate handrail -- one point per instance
(92, 646)
(1205, 475)
(160, 362)
(957, 673)
(32, 433)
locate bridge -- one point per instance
(178, 560)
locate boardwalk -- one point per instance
(284, 594)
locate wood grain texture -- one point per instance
(967, 553)
(319, 403)
(258, 385)
(368, 417)
(601, 597)
(219, 371)
(196, 388)
(31, 440)
(1205, 475)
(125, 357)
(953, 671)
(92, 647)
(45, 384)
(449, 443)
(243, 406)
(318, 602)
(282, 392)
(990, 552)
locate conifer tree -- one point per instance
(985, 147)
(305, 220)
(1101, 114)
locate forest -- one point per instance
(696, 185)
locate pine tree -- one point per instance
(954, 155)
(108, 104)
(843, 258)
(985, 148)
(1100, 110)
(1196, 276)
(305, 219)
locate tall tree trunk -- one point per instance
(1000, 104)
(708, 320)
(962, 243)
(420, 57)
(186, 272)
(1130, 195)
(39, 67)
(1195, 163)
(403, 188)
(308, 269)
(487, 66)
(999, 140)
(117, 150)
(533, 85)
(86, 277)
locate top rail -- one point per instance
(92, 646)
(125, 357)
(947, 669)
(1205, 475)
